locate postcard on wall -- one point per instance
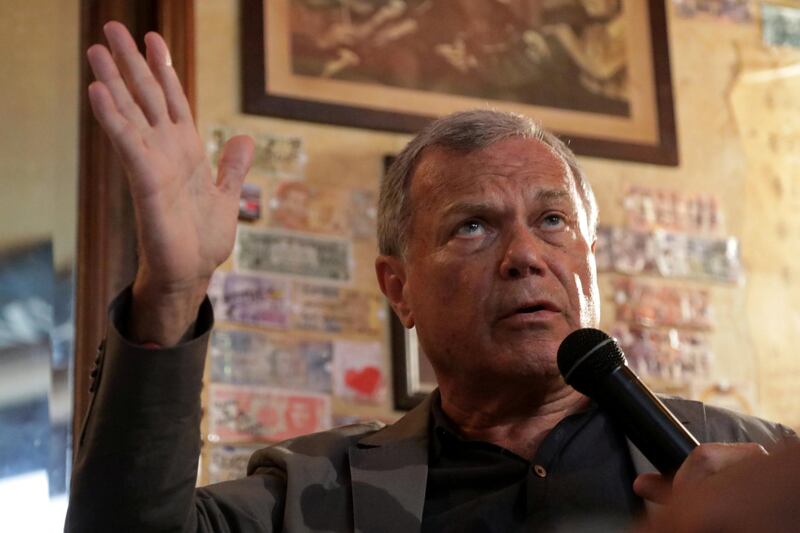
(731, 10)
(254, 358)
(650, 208)
(358, 371)
(672, 255)
(238, 413)
(665, 353)
(298, 205)
(363, 213)
(250, 299)
(226, 463)
(280, 156)
(293, 253)
(332, 309)
(652, 305)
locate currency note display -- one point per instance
(254, 358)
(668, 354)
(283, 157)
(250, 299)
(671, 255)
(239, 413)
(298, 254)
(653, 305)
(226, 463)
(331, 309)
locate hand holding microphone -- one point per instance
(593, 364)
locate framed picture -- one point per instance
(595, 72)
(412, 374)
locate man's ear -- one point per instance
(594, 246)
(391, 272)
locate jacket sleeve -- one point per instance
(136, 466)
(723, 425)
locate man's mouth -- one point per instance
(536, 308)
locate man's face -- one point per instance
(500, 262)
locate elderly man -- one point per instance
(487, 248)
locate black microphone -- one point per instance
(593, 364)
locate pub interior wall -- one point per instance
(723, 152)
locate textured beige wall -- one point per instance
(39, 112)
(720, 152)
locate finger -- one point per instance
(123, 135)
(710, 458)
(105, 70)
(158, 57)
(653, 487)
(137, 75)
(237, 155)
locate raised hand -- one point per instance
(185, 217)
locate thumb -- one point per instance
(653, 487)
(234, 162)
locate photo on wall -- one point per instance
(596, 72)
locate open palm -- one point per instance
(186, 219)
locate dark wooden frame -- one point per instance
(406, 396)
(106, 257)
(257, 101)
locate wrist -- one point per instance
(163, 315)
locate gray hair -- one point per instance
(466, 132)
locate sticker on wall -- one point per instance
(250, 299)
(250, 202)
(330, 309)
(358, 371)
(238, 413)
(254, 358)
(293, 253)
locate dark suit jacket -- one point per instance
(137, 463)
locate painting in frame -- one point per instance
(596, 72)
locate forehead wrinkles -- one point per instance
(443, 173)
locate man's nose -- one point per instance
(523, 255)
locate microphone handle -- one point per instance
(646, 421)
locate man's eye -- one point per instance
(554, 221)
(471, 228)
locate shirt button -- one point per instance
(540, 470)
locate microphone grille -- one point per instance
(586, 355)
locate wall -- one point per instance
(722, 151)
(38, 154)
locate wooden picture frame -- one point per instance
(614, 104)
(412, 374)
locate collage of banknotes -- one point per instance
(298, 343)
(670, 247)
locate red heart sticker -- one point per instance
(365, 381)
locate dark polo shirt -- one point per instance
(580, 479)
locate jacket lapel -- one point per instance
(389, 472)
